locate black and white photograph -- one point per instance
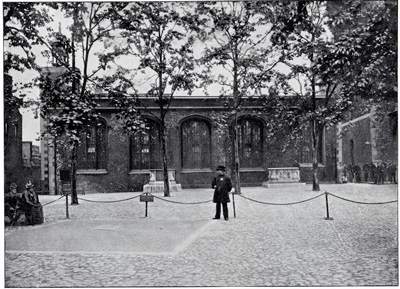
(200, 144)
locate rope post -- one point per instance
(327, 207)
(66, 205)
(233, 203)
(145, 214)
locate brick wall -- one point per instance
(118, 176)
(374, 139)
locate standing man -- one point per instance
(392, 172)
(366, 173)
(222, 185)
(374, 173)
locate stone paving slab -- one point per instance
(141, 236)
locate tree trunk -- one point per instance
(236, 129)
(55, 167)
(165, 162)
(237, 160)
(315, 145)
(314, 130)
(74, 195)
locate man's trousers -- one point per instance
(218, 210)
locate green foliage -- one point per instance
(237, 38)
(161, 52)
(67, 113)
(21, 21)
(366, 34)
(355, 65)
(67, 100)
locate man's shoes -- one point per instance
(226, 219)
(215, 218)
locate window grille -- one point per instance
(146, 148)
(92, 152)
(196, 144)
(250, 143)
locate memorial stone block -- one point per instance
(280, 177)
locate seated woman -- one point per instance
(31, 206)
(11, 200)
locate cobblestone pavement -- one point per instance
(265, 245)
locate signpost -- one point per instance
(66, 190)
(146, 198)
(66, 187)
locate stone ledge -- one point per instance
(91, 172)
(195, 171)
(157, 187)
(280, 185)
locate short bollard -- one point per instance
(233, 203)
(327, 207)
(146, 198)
(66, 206)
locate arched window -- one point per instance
(92, 152)
(250, 143)
(145, 148)
(196, 144)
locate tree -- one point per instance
(157, 44)
(329, 68)
(369, 32)
(21, 24)
(20, 29)
(237, 37)
(67, 100)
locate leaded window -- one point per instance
(145, 148)
(250, 143)
(196, 144)
(92, 151)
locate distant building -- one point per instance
(49, 162)
(31, 162)
(21, 159)
(368, 139)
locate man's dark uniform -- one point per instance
(223, 186)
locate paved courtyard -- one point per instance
(112, 244)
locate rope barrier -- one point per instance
(280, 204)
(240, 195)
(53, 201)
(182, 203)
(116, 201)
(363, 203)
(326, 193)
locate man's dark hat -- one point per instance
(221, 168)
